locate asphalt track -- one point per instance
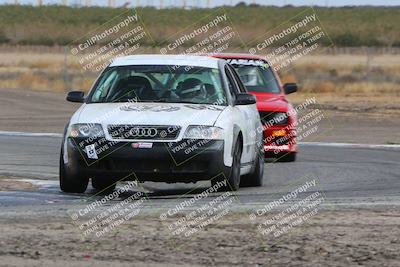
(349, 175)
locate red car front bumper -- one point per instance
(278, 140)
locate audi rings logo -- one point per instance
(143, 132)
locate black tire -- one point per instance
(108, 185)
(232, 175)
(288, 157)
(71, 183)
(256, 177)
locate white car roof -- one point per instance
(174, 60)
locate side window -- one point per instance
(231, 82)
(242, 88)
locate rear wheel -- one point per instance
(256, 177)
(71, 183)
(103, 184)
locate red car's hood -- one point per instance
(271, 102)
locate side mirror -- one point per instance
(290, 88)
(245, 99)
(76, 96)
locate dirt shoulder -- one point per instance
(346, 120)
(329, 238)
(13, 183)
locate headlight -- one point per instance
(280, 118)
(203, 132)
(274, 118)
(86, 130)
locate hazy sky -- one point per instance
(218, 2)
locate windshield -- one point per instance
(159, 83)
(256, 76)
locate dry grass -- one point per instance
(32, 81)
(347, 75)
(365, 88)
(288, 78)
(352, 89)
(43, 64)
(346, 60)
(43, 72)
(329, 75)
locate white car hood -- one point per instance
(149, 114)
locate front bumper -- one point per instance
(184, 161)
(279, 140)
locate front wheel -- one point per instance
(71, 183)
(256, 177)
(232, 175)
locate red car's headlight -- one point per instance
(274, 118)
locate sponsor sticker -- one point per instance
(91, 151)
(247, 62)
(142, 145)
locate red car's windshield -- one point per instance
(256, 75)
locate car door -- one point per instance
(256, 133)
(245, 116)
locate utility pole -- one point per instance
(40, 2)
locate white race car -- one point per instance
(167, 119)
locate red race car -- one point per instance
(276, 113)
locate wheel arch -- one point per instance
(237, 136)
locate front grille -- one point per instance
(271, 118)
(144, 132)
